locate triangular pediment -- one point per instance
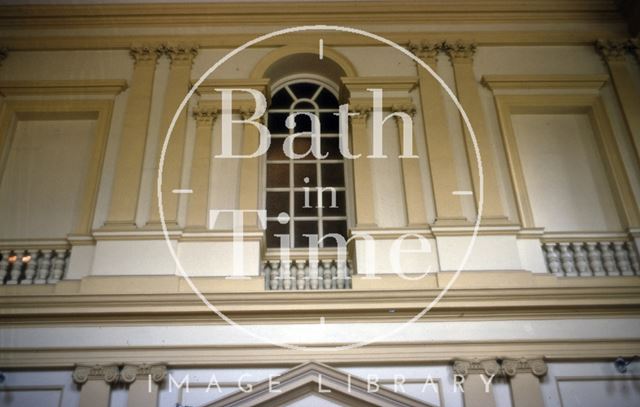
(315, 379)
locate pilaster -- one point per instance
(613, 53)
(362, 177)
(461, 55)
(96, 384)
(128, 171)
(143, 381)
(477, 373)
(524, 379)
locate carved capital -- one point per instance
(407, 108)
(611, 50)
(460, 51)
(426, 51)
(181, 53)
(108, 373)
(363, 112)
(537, 366)
(247, 113)
(205, 117)
(488, 367)
(130, 373)
(145, 53)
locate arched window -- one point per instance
(311, 191)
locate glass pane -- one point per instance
(333, 226)
(304, 227)
(275, 228)
(326, 99)
(330, 123)
(277, 202)
(275, 151)
(276, 123)
(304, 89)
(331, 198)
(302, 123)
(302, 171)
(301, 145)
(304, 106)
(281, 99)
(277, 175)
(331, 147)
(332, 175)
(308, 207)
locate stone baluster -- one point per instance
(314, 283)
(4, 265)
(553, 260)
(30, 270)
(326, 275)
(622, 258)
(595, 259)
(16, 268)
(285, 268)
(608, 259)
(566, 256)
(633, 258)
(349, 273)
(340, 275)
(299, 273)
(58, 267)
(44, 264)
(274, 276)
(580, 256)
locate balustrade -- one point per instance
(307, 275)
(33, 266)
(581, 259)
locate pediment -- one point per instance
(316, 380)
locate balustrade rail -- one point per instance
(307, 275)
(586, 259)
(33, 266)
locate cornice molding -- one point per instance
(111, 87)
(496, 82)
(404, 12)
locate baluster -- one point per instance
(608, 259)
(582, 263)
(58, 267)
(566, 256)
(305, 275)
(30, 270)
(595, 259)
(326, 275)
(4, 265)
(16, 268)
(340, 272)
(44, 264)
(274, 274)
(299, 274)
(553, 260)
(633, 258)
(286, 275)
(313, 275)
(348, 277)
(622, 258)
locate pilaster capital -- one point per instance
(488, 367)
(205, 117)
(4, 52)
(130, 373)
(426, 51)
(536, 366)
(611, 50)
(362, 113)
(407, 108)
(460, 51)
(108, 373)
(181, 53)
(145, 53)
(246, 113)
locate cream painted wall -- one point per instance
(566, 181)
(44, 178)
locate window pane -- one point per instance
(303, 89)
(330, 123)
(275, 228)
(302, 171)
(301, 145)
(302, 123)
(277, 202)
(328, 202)
(304, 106)
(276, 123)
(334, 226)
(332, 175)
(281, 99)
(331, 147)
(310, 203)
(304, 227)
(277, 175)
(275, 151)
(326, 99)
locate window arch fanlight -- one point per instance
(311, 191)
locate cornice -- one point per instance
(495, 82)
(111, 87)
(196, 14)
